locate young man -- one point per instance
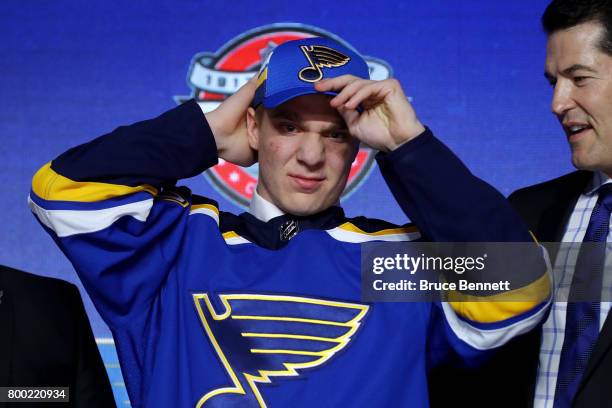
(212, 309)
(575, 360)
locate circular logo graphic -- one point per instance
(215, 76)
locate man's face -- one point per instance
(305, 154)
(582, 78)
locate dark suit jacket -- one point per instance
(506, 380)
(546, 208)
(46, 340)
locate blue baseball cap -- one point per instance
(293, 67)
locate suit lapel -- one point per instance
(555, 218)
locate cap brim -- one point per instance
(272, 101)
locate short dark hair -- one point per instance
(562, 14)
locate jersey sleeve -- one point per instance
(449, 204)
(112, 207)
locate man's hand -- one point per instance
(228, 124)
(387, 121)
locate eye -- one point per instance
(287, 127)
(338, 135)
(580, 80)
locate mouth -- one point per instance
(575, 131)
(306, 184)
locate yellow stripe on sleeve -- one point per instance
(230, 234)
(347, 226)
(52, 186)
(206, 206)
(496, 308)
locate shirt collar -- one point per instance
(262, 209)
(598, 180)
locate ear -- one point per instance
(252, 129)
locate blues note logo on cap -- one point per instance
(318, 57)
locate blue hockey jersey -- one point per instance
(212, 309)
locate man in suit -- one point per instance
(46, 340)
(575, 363)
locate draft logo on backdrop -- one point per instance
(213, 76)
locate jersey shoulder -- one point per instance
(364, 229)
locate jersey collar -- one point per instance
(265, 222)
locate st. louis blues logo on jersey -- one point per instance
(213, 76)
(259, 337)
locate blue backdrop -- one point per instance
(71, 70)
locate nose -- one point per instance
(562, 100)
(311, 151)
